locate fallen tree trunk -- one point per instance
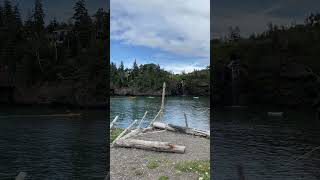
(123, 132)
(148, 129)
(181, 129)
(150, 145)
(114, 120)
(21, 176)
(131, 134)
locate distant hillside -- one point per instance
(147, 79)
(279, 66)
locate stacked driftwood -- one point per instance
(126, 138)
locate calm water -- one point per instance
(52, 148)
(129, 109)
(266, 147)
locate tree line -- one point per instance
(150, 77)
(58, 50)
(278, 65)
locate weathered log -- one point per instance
(155, 118)
(185, 119)
(123, 132)
(131, 134)
(145, 114)
(162, 104)
(21, 176)
(181, 129)
(148, 129)
(153, 132)
(277, 114)
(163, 95)
(150, 145)
(114, 120)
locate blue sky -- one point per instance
(174, 35)
(254, 15)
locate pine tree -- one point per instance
(17, 17)
(121, 67)
(135, 69)
(83, 23)
(101, 20)
(52, 25)
(7, 13)
(28, 24)
(38, 16)
(1, 16)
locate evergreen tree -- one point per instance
(121, 67)
(8, 14)
(83, 23)
(38, 16)
(135, 69)
(234, 33)
(17, 17)
(1, 16)
(52, 25)
(101, 20)
(28, 24)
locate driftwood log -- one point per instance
(114, 120)
(123, 132)
(141, 121)
(162, 105)
(21, 176)
(150, 145)
(181, 129)
(132, 134)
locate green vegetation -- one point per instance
(163, 178)
(202, 168)
(148, 78)
(278, 66)
(39, 55)
(153, 164)
(114, 133)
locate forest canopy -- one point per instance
(148, 78)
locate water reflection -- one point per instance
(129, 109)
(266, 147)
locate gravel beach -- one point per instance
(134, 164)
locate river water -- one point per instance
(128, 109)
(52, 147)
(265, 147)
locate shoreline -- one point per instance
(142, 164)
(116, 95)
(56, 106)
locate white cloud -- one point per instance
(176, 26)
(183, 67)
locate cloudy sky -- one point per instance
(62, 10)
(253, 15)
(174, 34)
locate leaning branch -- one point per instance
(114, 120)
(123, 132)
(181, 129)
